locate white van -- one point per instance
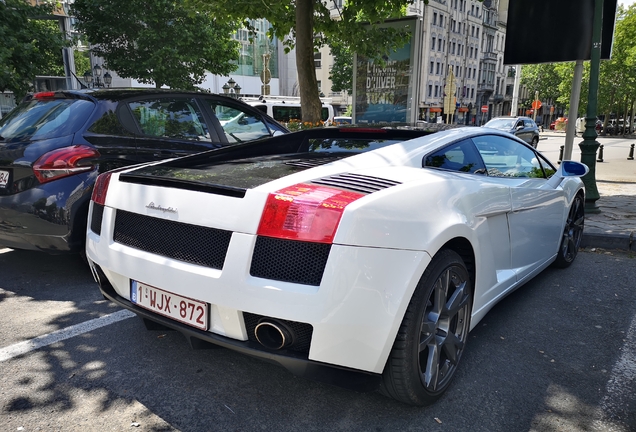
(284, 109)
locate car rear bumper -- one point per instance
(352, 314)
(50, 217)
(296, 364)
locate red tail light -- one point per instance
(305, 212)
(44, 95)
(64, 162)
(101, 188)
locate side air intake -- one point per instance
(356, 182)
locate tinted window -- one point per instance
(460, 156)
(239, 125)
(177, 118)
(108, 124)
(508, 158)
(286, 113)
(528, 123)
(45, 118)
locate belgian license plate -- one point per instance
(4, 179)
(186, 310)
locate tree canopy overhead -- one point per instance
(165, 42)
(308, 24)
(30, 46)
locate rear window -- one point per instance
(39, 119)
(347, 145)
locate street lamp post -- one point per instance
(232, 89)
(94, 79)
(589, 145)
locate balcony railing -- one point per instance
(486, 87)
(489, 55)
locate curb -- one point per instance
(608, 240)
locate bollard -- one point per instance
(631, 152)
(561, 154)
(600, 154)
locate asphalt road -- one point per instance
(559, 354)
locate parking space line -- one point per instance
(622, 383)
(21, 348)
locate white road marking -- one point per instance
(21, 348)
(622, 383)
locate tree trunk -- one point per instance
(309, 96)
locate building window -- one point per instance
(430, 71)
(317, 59)
(438, 66)
(430, 90)
(434, 18)
(439, 44)
(433, 44)
(472, 93)
(436, 90)
(477, 32)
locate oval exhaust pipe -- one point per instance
(273, 334)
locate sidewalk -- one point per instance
(615, 226)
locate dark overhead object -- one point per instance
(549, 31)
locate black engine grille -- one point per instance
(185, 242)
(302, 331)
(289, 260)
(356, 182)
(96, 218)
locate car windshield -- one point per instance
(45, 118)
(500, 123)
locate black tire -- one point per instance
(535, 142)
(433, 333)
(572, 233)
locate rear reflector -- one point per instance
(101, 188)
(305, 212)
(64, 162)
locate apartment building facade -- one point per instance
(466, 37)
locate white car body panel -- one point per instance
(383, 244)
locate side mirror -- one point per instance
(573, 169)
(567, 168)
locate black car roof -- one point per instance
(118, 94)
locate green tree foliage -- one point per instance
(30, 46)
(617, 83)
(341, 73)
(541, 78)
(162, 42)
(82, 62)
(308, 25)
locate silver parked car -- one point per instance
(523, 127)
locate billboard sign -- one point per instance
(385, 92)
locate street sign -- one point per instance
(484, 108)
(536, 104)
(449, 104)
